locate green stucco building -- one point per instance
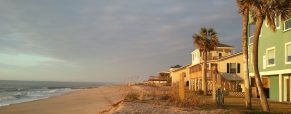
(274, 60)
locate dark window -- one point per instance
(238, 68)
(277, 22)
(251, 39)
(271, 61)
(287, 24)
(227, 68)
(271, 56)
(219, 55)
(288, 52)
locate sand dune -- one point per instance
(86, 101)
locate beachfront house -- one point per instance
(175, 75)
(228, 66)
(231, 72)
(274, 59)
(163, 79)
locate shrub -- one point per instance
(132, 96)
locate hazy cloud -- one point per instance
(108, 40)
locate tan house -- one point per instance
(231, 71)
(175, 74)
(228, 68)
(195, 69)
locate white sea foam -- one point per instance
(29, 95)
(12, 92)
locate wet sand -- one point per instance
(85, 101)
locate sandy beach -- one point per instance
(85, 101)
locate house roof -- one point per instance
(231, 77)
(229, 56)
(223, 45)
(164, 72)
(157, 78)
(181, 67)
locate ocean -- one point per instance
(12, 92)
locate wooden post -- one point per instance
(213, 74)
(182, 87)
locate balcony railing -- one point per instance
(199, 74)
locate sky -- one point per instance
(106, 40)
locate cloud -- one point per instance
(24, 60)
(112, 39)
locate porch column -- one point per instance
(280, 88)
(290, 86)
(195, 84)
(192, 85)
(199, 84)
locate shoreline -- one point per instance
(87, 101)
(68, 92)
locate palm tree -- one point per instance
(265, 10)
(206, 41)
(243, 6)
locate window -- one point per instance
(277, 22)
(252, 28)
(219, 55)
(287, 25)
(288, 53)
(271, 56)
(238, 68)
(233, 68)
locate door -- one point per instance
(266, 86)
(287, 89)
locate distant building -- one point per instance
(162, 79)
(176, 72)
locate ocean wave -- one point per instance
(29, 95)
(12, 92)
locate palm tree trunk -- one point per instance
(263, 98)
(245, 20)
(204, 73)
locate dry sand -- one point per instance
(85, 101)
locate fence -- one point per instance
(236, 94)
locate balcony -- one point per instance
(198, 75)
(212, 58)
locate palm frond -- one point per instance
(243, 5)
(198, 41)
(203, 32)
(269, 10)
(207, 39)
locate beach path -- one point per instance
(85, 101)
